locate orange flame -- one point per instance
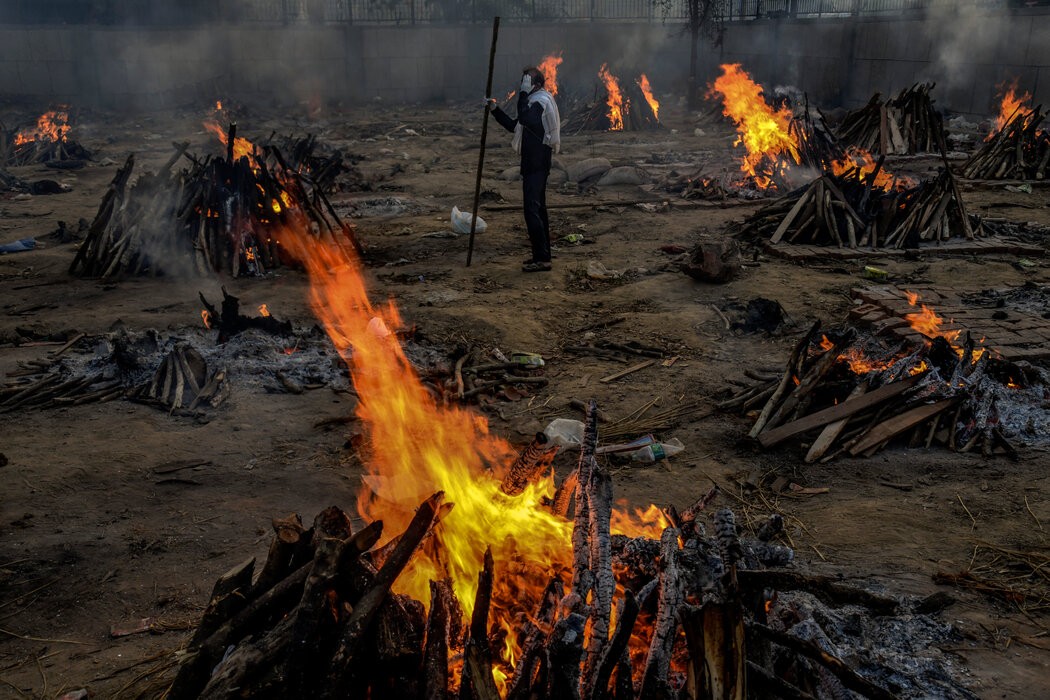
(549, 67)
(1010, 106)
(862, 160)
(263, 311)
(418, 447)
(206, 317)
(241, 147)
(762, 130)
(218, 105)
(50, 126)
(647, 91)
(615, 99)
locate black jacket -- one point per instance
(535, 155)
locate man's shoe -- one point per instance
(536, 267)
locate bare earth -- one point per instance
(89, 539)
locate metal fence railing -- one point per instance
(196, 12)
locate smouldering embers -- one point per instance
(993, 392)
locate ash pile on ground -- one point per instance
(899, 652)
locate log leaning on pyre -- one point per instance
(1019, 150)
(320, 620)
(903, 125)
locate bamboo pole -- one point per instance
(484, 136)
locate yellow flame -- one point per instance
(263, 311)
(50, 126)
(1011, 104)
(647, 91)
(615, 99)
(549, 67)
(417, 447)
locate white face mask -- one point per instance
(526, 83)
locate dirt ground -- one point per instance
(90, 540)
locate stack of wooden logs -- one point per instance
(319, 619)
(218, 215)
(45, 385)
(322, 166)
(818, 148)
(594, 115)
(183, 381)
(904, 125)
(1019, 150)
(928, 392)
(848, 211)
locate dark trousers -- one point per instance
(534, 189)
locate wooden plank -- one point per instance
(898, 424)
(832, 431)
(787, 220)
(625, 372)
(834, 413)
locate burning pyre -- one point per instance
(565, 594)
(617, 106)
(47, 142)
(225, 214)
(784, 149)
(849, 392)
(1017, 148)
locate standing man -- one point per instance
(537, 136)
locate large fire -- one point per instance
(762, 130)
(647, 91)
(549, 67)
(772, 149)
(50, 126)
(418, 447)
(1011, 104)
(614, 99)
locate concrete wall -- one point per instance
(844, 61)
(837, 61)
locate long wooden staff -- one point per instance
(484, 135)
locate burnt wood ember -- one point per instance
(1019, 150)
(222, 215)
(230, 321)
(183, 381)
(903, 125)
(855, 395)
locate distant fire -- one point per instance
(206, 318)
(263, 311)
(614, 99)
(647, 90)
(50, 126)
(549, 67)
(1011, 104)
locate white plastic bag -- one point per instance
(565, 433)
(461, 222)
